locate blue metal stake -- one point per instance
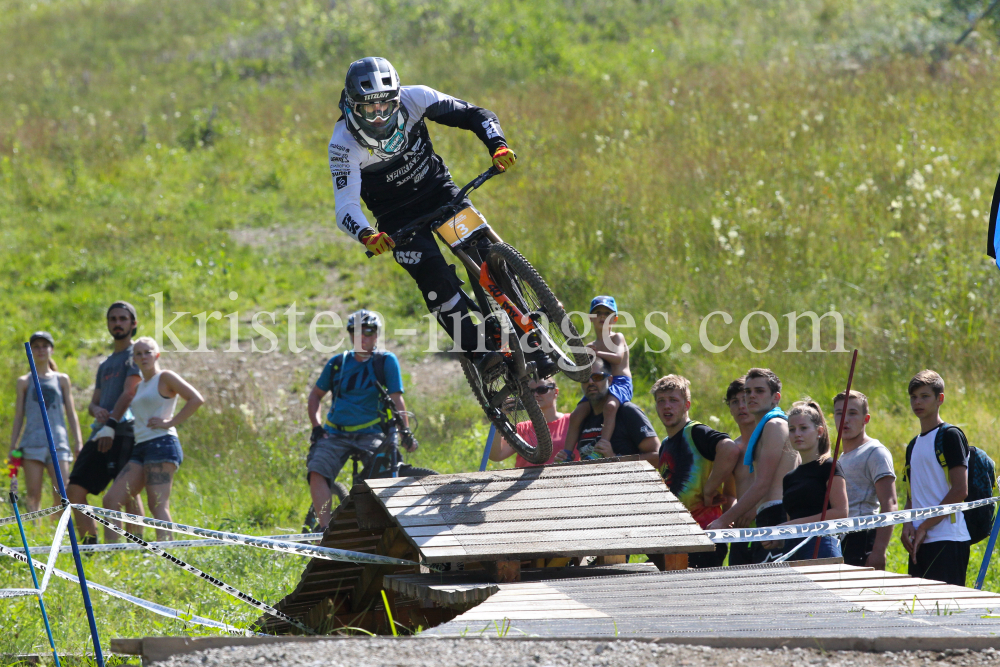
(62, 492)
(489, 446)
(989, 549)
(34, 577)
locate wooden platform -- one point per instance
(749, 606)
(577, 509)
(492, 522)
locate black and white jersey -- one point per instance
(408, 167)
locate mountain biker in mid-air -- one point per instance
(381, 152)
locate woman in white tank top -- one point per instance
(157, 453)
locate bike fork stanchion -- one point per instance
(34, 577)
(98, 654)
(988, 555)
(489, 446)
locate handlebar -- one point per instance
(438, 213)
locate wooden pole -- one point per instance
(836, 451)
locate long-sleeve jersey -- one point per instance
(387, 183)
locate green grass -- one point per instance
(136, 137)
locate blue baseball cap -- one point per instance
(606, 301)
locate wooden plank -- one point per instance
(529, 538)
(647, 545)
(560, 614)
(565, 523)
(854, 576)
(590, 493)
(536, 472)
(462, 489)
(893, 585)
(435, 515)
(627, 498)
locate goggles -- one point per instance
(376, 111)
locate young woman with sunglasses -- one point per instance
(546, 394)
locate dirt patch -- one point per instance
(287, 237)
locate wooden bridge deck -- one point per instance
(752, 605)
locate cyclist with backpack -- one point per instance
(941, 469)
(381, 153)
(356, 416)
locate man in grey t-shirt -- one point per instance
(110, 444)
(871, 482)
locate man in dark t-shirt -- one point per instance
(695, 461)
(633, 434)
(109, 446)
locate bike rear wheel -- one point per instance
(493, 393)
(529, 291)
(338, 494)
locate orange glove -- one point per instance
(377, 242)
(504, 158)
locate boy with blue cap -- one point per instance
(612, 348)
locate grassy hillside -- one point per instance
(686, 157)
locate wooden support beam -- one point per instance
(666, 562)
(619, 559)
(503, 571)
(369, 587)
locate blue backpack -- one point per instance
(982, 482)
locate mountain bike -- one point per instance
(520, 318)
(386, 461)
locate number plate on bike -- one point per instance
(459, 228)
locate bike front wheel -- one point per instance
(507, 402)
(522, 283)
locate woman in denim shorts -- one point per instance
(34, 444)
(157, 452)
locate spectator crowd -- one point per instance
(776, 471)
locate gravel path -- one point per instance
(511, 653)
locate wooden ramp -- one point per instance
(579, 509)
(493, 522)
(812, 603)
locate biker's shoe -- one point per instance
(488, 363)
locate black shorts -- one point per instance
(94, 470)
(767, 517)
(944, 561)
(702, 559)
(856, 547)
(741, 553)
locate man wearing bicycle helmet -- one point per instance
(381, 153)
(354, 422)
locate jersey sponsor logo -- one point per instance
(394, 143)
(349, 224)
(492, 129)
(335, 157)
(408, 256)
(338, 147)
(341, 182)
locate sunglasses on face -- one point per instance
(544, 389)
(599, 377)
(365, 331)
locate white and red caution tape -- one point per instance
(173, 544)
(239, 595)
(145, 604)
(308, 550)
(838, 526)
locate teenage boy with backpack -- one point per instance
(939, 467)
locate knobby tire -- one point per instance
(515, 273)
(526, 403)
